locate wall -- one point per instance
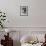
(36, 13)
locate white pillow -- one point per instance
(27, 38)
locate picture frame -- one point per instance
(23, 10)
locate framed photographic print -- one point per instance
(23, 10)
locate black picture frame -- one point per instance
(23, 10)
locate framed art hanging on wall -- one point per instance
(23, 10)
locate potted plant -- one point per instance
(2, 19)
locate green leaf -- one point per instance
(0, 12)
(4, 16)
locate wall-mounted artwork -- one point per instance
(23, 10)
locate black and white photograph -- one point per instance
(23, 10)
